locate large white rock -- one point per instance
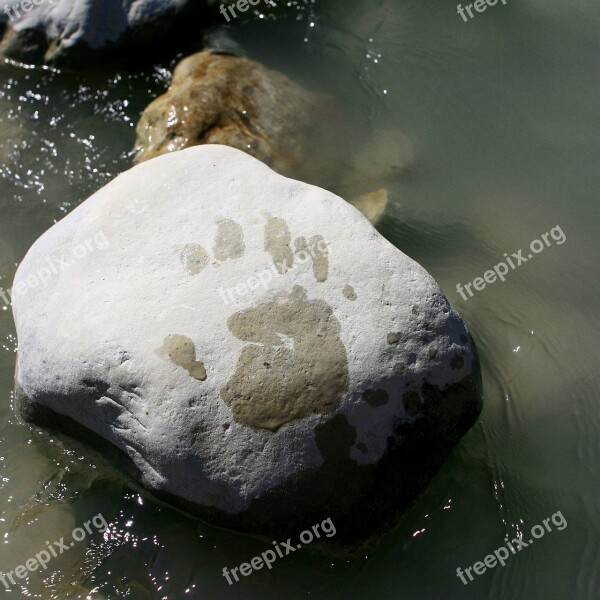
(250, 343)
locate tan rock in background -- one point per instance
(217, 98)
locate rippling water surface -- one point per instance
(504, 128)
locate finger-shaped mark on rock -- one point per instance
(335, 439)
(277, 244)
(229, 243)
(295, 363)
(349, 292)
(375, 398)
(182, 351)
(316, 247)
(394, 337)
(399, 368)
(194, 258)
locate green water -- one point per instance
(502, 114)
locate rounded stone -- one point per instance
(257, 390)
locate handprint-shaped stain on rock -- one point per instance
(295, 364)
(194, 258)
(230, 241)
(229, 245)
(317, 248)
(278, 244)
(182, 351)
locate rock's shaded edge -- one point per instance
(340, 488)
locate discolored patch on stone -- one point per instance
(194, 258)
(375, 398)
(457, 362)
(433, 351)
(362, 447)
(277, 244)
(182, 351)
(414, 309)
(335, 439)
(199, 436)
(295, 363)
(229, 243)
(317, 249)
(399, 368)
(349, 292)
(411, 403)
(394, 337)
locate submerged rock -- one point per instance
(262, 369)
(388, 154)
(81, 31)
(372, 205)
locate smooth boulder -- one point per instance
(248, 346)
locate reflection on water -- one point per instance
(485, 134)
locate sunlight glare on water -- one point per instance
(486, 136)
